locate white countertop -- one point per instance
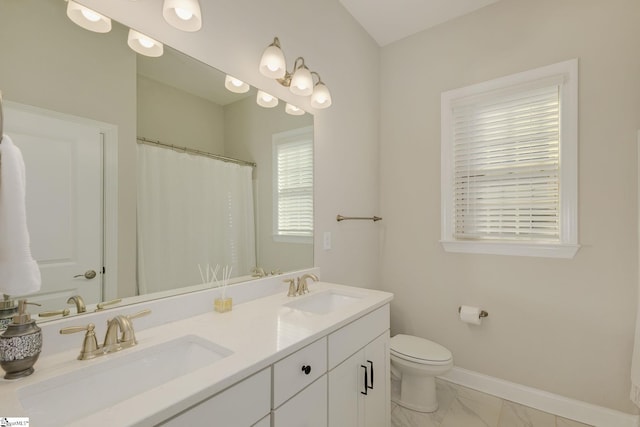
(258, 332)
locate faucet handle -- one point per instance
(139, 314)
(101, 305)
(64, 313)
(90, 348)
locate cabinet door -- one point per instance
(346, 383)
(359, 388)
(377, 402)
(306, 409)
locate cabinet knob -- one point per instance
(306, 369)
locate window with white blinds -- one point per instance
(507, 159)
(293, 185)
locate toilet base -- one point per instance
(418, 393)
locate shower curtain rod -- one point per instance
(194, 151)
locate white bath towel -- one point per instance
(19, 272)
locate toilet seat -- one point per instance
(419, 350)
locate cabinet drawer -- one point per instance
(308, 409)
(346, 341)
(222, 409)
(296, 371)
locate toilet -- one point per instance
(416, 362)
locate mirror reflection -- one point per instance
(114, 211)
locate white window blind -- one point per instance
(293, 215)
(509, 147)
(506, 165)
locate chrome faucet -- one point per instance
(112, 342)
(79, 302)
(302, 283)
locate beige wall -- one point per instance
(254, 143)
(175, 117)
(564, 326)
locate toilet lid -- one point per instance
(411, 347)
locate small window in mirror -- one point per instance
(293, 186)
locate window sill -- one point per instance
(543, 250)
(292, 239)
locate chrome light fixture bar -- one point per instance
(300, 81)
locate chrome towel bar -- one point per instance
(372, 218)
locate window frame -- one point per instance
(291, 136)
(567, 246)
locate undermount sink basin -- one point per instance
(103, 383)
(323, 302)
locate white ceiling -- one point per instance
(391, 20)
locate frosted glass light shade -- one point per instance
(184, 15)
(144, 45)
(235, 85)
(293, 110)
(87, 18)
(266, 100)
(302, 82)
(321, 97)
(272, 63)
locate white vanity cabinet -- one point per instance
(359, 381)
(243, 404)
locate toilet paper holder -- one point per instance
(482, 312)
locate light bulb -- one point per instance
(272, 63)
(235, 85)
(302, 82)
(90, 15)
(145, 42)
(293, 110)
(321, 97)
(266, 100)
(87, 18)
(183, 14)
(144, 45)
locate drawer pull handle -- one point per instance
(366, 382)
(371, 363)
(306, 369)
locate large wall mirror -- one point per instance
(88, 114)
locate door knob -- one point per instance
(89, 274)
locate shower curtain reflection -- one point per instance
(210, 223)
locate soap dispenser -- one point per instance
(8, 309)
(20, 344)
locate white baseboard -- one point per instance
(544, 401)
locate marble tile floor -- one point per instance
(464, 407)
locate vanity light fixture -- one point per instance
(87, 18)
(293, 110)
(184, 15)
(266, 100)
(144, 45)
(300, 81)
(235, 85)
